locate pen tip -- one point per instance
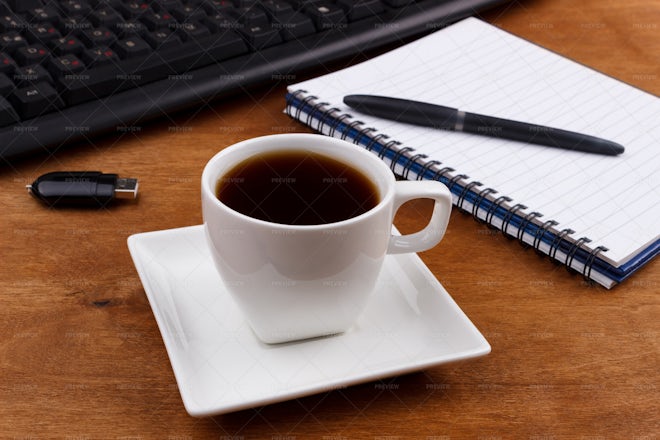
(602, 146)
(615, 148)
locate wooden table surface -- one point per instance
(81, 356)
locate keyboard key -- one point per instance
(74, 7)
(10, 22)
(276, 8)
(326, 15)
(74, 25)
(302, 4)
(162, 38)
(106, 17)
(11, 41)
(35, 100)
(99, 56)
(23, 5)
(251, 16)
(219, 23)
(65, 45)
(65, 65)
(132, 47)
(26, 76)
(157, 20)
(133, 9)
(245, 3)
(34, 54)
(6, 85)
(43, 14)
(7, 113)
(100, 36)
(165, 5)
(97, 4)
(218, 6)
(192, 31)
(43, 33)
(188, 12)
(357, 9)
(294, 25)
(259, 37)
(128, 29)
(7, 64)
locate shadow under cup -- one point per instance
(298, 281)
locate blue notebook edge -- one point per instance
(319, 116)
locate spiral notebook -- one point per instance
(597, 215)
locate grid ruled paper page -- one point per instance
(476, 67)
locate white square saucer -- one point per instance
(410, 323)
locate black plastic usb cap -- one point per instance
(82, 188)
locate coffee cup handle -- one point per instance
(433, 232)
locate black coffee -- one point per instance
(297, 188)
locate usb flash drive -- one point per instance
(82, 188)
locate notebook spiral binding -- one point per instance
(497, 212)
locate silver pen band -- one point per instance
(460, 118)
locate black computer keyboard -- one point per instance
(70, 70)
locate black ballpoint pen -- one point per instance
(447, 118)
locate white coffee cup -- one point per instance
(302, 281)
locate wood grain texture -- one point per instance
(81, 356)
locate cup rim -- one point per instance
(210, 173)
